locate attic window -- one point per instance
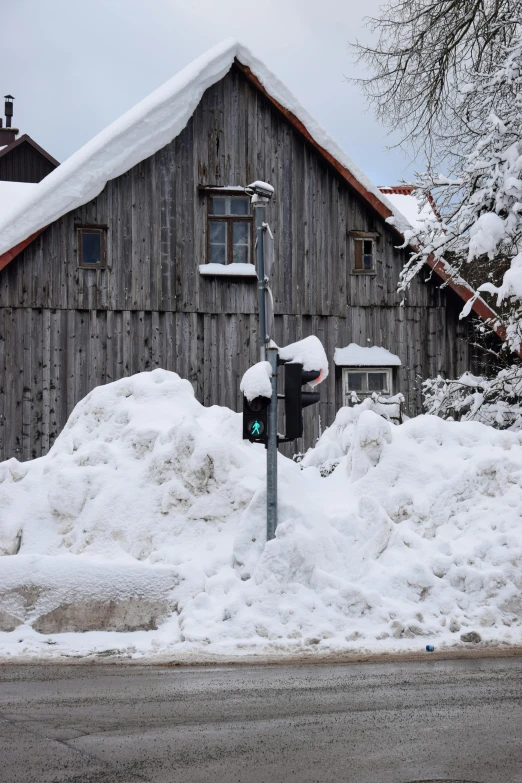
(364, 255)
(92, 253)
(230, 226)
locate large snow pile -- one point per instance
(414, 538)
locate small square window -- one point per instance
(91, 247)
(230, 229)
(359, 383)
(364, 255)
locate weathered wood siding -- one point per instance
(65, 330)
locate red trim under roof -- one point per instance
(462, 289)
(8, 256)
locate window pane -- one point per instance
(218, 232)
(91, 247)
(355, 381)
(229, 205)
(239, 206)
(240, 254)
(377, 381)
(218, 254)
(241, 232)
(241, 242)
(218, 206)
(218, 242)
(368, 254)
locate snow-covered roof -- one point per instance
(148, 127)
(12, 194)
(402, 199)
(358, 356)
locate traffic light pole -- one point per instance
(263, 193)
(260, 259)
(271, 453)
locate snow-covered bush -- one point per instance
(335, 442)
(494, 401)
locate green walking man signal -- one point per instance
(256, 428)
(255, 419)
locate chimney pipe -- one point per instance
(8, 109)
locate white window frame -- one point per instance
(362, 395)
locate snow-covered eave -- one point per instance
(155, 122)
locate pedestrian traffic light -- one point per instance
(255, 419)
(296, 399)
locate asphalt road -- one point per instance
(362, 723)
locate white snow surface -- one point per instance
(485, 235)
(354, 355)
(228, 270)
(414, 538)
(310, 353)
(257, 381)
(145, 129)
(408, 206)
(12, 194)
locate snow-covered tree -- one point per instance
(449, 73)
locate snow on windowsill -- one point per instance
(358, 356)
(228, 270)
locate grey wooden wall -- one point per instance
(64, 330)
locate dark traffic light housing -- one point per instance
(255, 419)
(296, 399)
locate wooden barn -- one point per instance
(137, 253)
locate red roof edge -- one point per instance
(347, 175)
(8, 256)
(466, 293)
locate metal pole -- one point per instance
(271, 453)
(261, 278)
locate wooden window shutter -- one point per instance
(358, 254)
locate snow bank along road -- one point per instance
(144, 530)
(361, 723)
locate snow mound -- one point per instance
(415, 536)
(141, 471)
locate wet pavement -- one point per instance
(362, 723)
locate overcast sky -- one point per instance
(74, 66)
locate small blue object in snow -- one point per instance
(430, 648)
